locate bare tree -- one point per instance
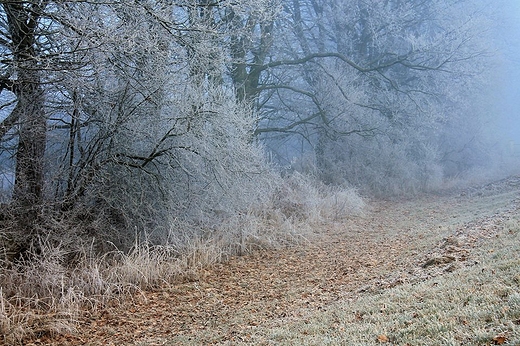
(368, 69)
(138, 111)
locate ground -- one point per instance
(395, 243)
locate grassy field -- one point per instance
(470, 301)
(431, 270)
(475, 305)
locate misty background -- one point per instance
(510, 103)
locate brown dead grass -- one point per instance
(397, 242)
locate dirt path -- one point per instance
(395, 242)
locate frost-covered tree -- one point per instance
(137, 113)
(123, 113)
(350, 78)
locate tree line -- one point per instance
(138, 113)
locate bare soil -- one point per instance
(395, 242)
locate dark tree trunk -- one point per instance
(22, 19)
(28, 189)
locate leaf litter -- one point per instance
(396, 242)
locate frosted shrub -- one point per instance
(382, 166)
(341, 202)
(304, 197)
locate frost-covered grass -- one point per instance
(475, 305)
(47, 292)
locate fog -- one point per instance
(509, 96)
(486, 137)
(141, 142)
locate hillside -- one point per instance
(361, 281)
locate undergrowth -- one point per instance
(64, 275)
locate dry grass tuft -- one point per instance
(302, 197)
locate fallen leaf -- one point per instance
(382, 338)
(499, 340)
